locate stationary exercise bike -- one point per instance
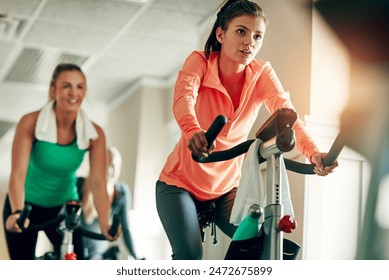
(277, 137)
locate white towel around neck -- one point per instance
(46, 127)
(252, 190)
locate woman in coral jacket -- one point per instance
(224, 79)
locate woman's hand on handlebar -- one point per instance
(105, 231)
(12, 225)
(198, 145)
(319, 168)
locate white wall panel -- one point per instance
(333, 216)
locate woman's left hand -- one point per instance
(320, 169)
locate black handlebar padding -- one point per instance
(24, 215)
(112, 231)
(328, 160)
(334, 151)
(91, 234)
(115, 225)
(211, 134)
(298, 167)
(215, 129)
(242, 148)
(27, 210)
(226, 154)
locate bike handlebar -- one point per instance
(242, 148)
(115, 225)
(215, 129)
(24, 215)
(334, 151)
(328, 160)
(61, 217)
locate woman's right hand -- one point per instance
(105, 231)
(198, 145)
(12, 225)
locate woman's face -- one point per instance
(243, 38)
(69, 90)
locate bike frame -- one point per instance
(277, 137)
(273, 211)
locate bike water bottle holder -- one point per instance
(252, 249)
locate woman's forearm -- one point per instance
(101, 202)
(16, 193)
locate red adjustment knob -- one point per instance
(287, 224)
(70, 256)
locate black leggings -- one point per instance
(179, 216)
(21, 246)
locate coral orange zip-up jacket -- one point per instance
(199, 98)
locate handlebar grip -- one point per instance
(328, 160)
(299, 167)
(24, 215)
(215, 129)
(334, 151)
(115, 225)
(91, 234)
(97, 236)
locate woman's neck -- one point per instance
(230, 73)
(65, 120)
(66, 126)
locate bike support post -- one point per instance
(67, 246)
(273, 238)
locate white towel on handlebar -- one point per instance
(252, 190)
(46, 127)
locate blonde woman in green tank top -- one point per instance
(44, 174)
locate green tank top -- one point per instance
(51, 175)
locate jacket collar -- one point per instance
(211, 79)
